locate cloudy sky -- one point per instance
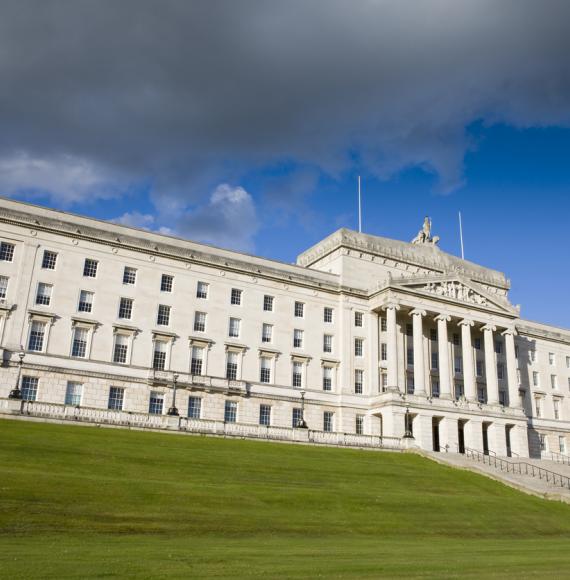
(244, 123)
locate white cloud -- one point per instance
(136, 219)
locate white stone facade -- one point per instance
(365, 328)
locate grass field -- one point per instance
(85, 502)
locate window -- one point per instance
(460, 391)
(383, 383)
(327, 379)
(556, 405)
(37, 334)
(266, 333)
(551, 359)
(29, 389)
(166, 281)
(296, 417)
(535, 379)
(79, 343)
(532, 356)
(199, 322)
(481, 394)
(156, 403)
(410, 383)
(230, 412)
(543, 443)
(3, 286)
(159, 355)
(264, 369)
(90, 268)
(327, 343)
(456, 339)
(297, 338)
(73, 393)
(410, 357)
(568, 362)
(554, 381)
(433, 334)
(116, 398)
(561, 444)
(538, 406)
(196, 363)
(265, 415)
(519, 377)
(358, 381)
(359, 424)
(359, 319)
(328, 419)
(358, 347)
(409, 330)
(194, 407)
(383, 351)
(479, 369)
(85, 301)
(202, 290)
(163, 316)
(49, 260)
(43, 296)
(129, 275)
(500, 371)
(121, 348)
(268, 303)
(299, 310)
(383, 322)
(126, 308)
(236, 297)
(6, 252)
(477, 343)
(498, 346)
(458, 365)
(517, 351)
(233, 331)
(231, 366)
(328, 315)
(434, 361)
(297, 374)
(569, 383)
(435, 388)
(502, 398)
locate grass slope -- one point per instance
(87, 502)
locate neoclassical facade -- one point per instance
(364, 335)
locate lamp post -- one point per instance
(173, 410)
(301, 422)
(17, 393)
(408, 425)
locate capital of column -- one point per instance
(391, 305)
(442, 317)
(418, 312)
(509, 331)
(466, 322)
(488, 328)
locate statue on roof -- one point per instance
(424, 235)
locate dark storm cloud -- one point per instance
(97, 96)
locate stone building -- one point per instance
(364, 335)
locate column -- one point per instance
(371, 386)
(419, 370)
(392, 347)
(514, 400)
(443, 351)
(490, 365)
(468, 361)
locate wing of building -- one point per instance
(364, 336)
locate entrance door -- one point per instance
(508, 439)
(485, 438)
(435, 433)
(461, 436)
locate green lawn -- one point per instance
(86, 502)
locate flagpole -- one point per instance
(461, 237)
(359, 208)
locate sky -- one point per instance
(245, 124)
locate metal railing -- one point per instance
(520, 468)
(560, 458)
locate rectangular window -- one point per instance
(482, 394)
(3, 286)
(500, 371)
(295, 417)
(535, 379)
(37, 334)
(328, 420)
(359, 319)
(410, 357)
(232, 366)
(236, 297)
(194, 407)
(568, 362)
(233, 331)
(410, 383)
(29, 389)
(297, 338)
(299, 310)
(561, 444)
(517, 351)
(327, 343)
(166, 282)
(554, 381)
(159, 355)
(358, 381)
(199, 322)
(479, 370)
(328, 315)
(358, 347)
(538, 406)
(409, 330)
(264, 369)
(121, 348)
(85, 301)
(543, 443)
(129, 275)
(327, 379)
(266, 333)
(502, 398)
(156, 403)
(456, 339)
(551, 359)
(163, 316)
(73, 393)
(434, 361)
(433, 334)
(202, 290)
(126, 308)
(268, 303)
(79, 344)
(435, 388)
(519, 377)
(43, 296)
(498, 346)
(458, 365)
(297, 374)
(230, 412)
(359, 424)
(556, 405)
(460, 391)
(6, 252)
(196, 360)
(532, 355)
(49, 260)
(477, 343)
(116, 398)
(383, 323)
(383, 382)
(383, 351)
(90, 268)
(265, 415)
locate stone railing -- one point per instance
(58, 412)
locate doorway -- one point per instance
(435, 433)
(461, 435)
(508, 429)
(486, 438)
